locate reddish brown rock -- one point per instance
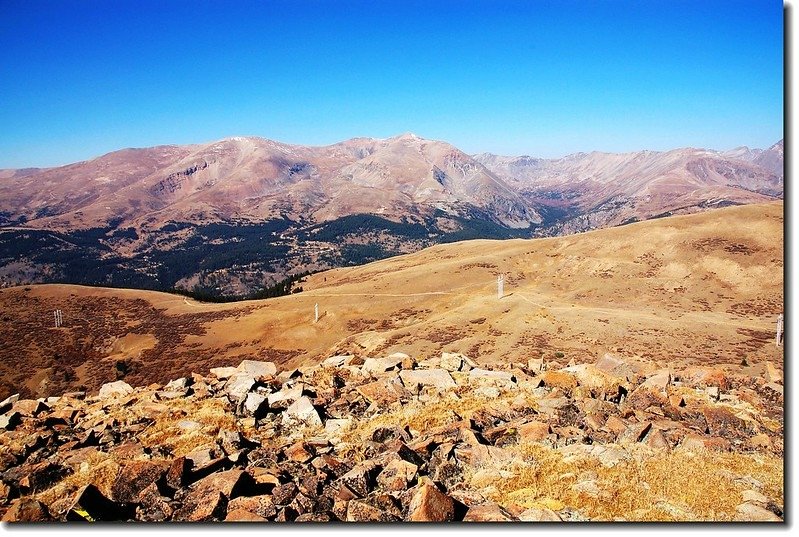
(656, 440)
(396, 475)
(722, 422)
(710, 443)
(533, 431)
(240, 515)
(702, 377)
(207, 498)
(299, 452)
(152, 506)
(27, 510)
(43, 475)
(5, 492)
(381, 392)
(361, 478)
(313, 517)
(283, 494)
(615, 425)
(429, 504)
(134, 477)
(29, 407)
(487, 512)
(262, 505)
(379, 509)
(635, 432)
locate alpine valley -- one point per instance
(247, 216)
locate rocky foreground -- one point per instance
(393, 439)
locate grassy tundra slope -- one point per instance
(697, 289)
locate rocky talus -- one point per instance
(396, 439)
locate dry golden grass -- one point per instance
(99, 469)
(418, 416)
(212, 415)
(676, 486)
(562, 298)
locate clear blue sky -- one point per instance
(81, 78)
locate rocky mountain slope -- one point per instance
(240, 214)
(393, 438)
(702, 289)
(594, 190)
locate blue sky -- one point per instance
(544, 78)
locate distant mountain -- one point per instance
(243, 213)
(772, 158)
(253, 179)
(592, 190)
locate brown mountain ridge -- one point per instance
(237, 215)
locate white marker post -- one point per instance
(779, 330)
(316, 313)
(500, 286)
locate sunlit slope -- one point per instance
(703, 288)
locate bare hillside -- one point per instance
(697, 289)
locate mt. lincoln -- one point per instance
(237, 216)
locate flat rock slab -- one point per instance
(336, 361)
(497, 377)
(381, 365)
(438, 378)
(258, 369)
(115, 389)
(380, 392)
(223, 373)
(615, 367)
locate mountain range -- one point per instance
(241, 214)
